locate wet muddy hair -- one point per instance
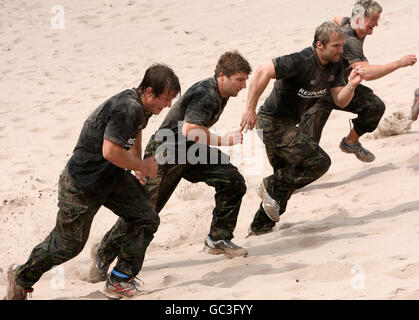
(160, 78)
(232, 62)
(324, 31)
(365, 8)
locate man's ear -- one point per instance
(319, 45)
(149, 92)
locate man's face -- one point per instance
(156, 104)
(367, 26)
(232, 85)
(333, 49)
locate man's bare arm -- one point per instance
(342, 96)
(202, 135)
(373, 72)
(122, 158)
(264, 73)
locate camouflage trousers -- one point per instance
(365, 104)
(129, 237)
(296, 159)
(229, 187)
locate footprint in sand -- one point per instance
(330, 271)
(24, 172)
(44, 110)
(409, 271)
(310, 242)
(63, 135)
(169, 279)
(34, 130)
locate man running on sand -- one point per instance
(368, 107)
(302, 79)
(182, 148)
(98, 174)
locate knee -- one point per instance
(379, 107)
(323, 164)
(153, 222)
(238, 184)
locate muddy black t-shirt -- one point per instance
(301, 81)
(201, 104)
(352, 48)
(119, 119)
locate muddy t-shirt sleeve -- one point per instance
(339, 79)
(288, 66)
(353, 50)
(200, 109)
(123, 125)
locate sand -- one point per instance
(350, 235)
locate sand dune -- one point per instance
(350, 235)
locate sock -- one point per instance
(119, 276)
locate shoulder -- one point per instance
(126, 100)
(205, 89)
(342, 20)
(295, 58)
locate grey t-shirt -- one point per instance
(352, 48)
(301, 81)
(119, 119)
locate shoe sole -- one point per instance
(113, 295)
(117, 296)
(274, 216)
(229, 255)
(12, 283)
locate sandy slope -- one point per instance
(350, 235)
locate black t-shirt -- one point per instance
(119, 119)
(201, 104)
(352, 48)
(301, 81)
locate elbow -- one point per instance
(265, 71)
(108, 151)
(185, 129)
(107, 154)
(342, 105)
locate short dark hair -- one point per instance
(324, 31)
(160, 78)
(232, 62)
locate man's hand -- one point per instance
(141, 177)
(408, 60)
(248, 120)
(232, 137)
(356, 76)
(150, 167)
